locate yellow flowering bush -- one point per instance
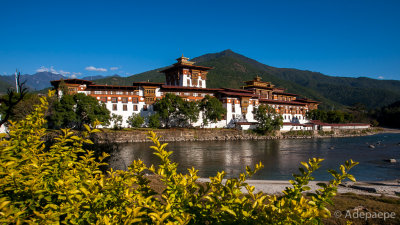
(63, 183)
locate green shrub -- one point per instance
(135, 120)
(62, 183)
(154, 121)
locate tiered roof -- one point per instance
(183, 62)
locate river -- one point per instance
(281, 158)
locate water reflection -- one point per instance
(280, 157)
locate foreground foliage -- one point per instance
(63, 183)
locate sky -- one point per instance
(77, 38)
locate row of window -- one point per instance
(115, 100)
(125, 107)
(295, 117)
(287, 107)
(150, 91)
(114, 92)
(283, 98)
(188, 94)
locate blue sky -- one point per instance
(338, 38)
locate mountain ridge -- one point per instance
(231, 69)
(38, 81)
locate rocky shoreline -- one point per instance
(175, 135)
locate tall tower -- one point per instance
(185, 74)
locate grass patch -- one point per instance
(350, 202)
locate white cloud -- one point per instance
(114, 68)
(62, 72)
(381, 77)
(75, 75)
(53, 70)
(42, 69)
(92, 68)
(45, 69)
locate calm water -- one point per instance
(280, 157)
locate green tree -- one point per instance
(116, 120)
(174, 111)
(268, 119)
(335, 116)
(23, 108)
(11, 100)
(212, 109)
(169, 108)
(135, 120)
(389, 115)
(88, 109)
(72, 111)
(154, 121)
(317, 114)
(62, 113)
(189, 113)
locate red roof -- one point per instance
(306, 100)
(231, 93)
(190, 88)
(281, 102)
(246, 123)
(284, 93)
(298, 124)
(71, 81)
(95, 86)
(185, 66)
(237, 90)
(147, 83)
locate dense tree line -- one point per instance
(388, 116)
(354, 114)
(333, 116)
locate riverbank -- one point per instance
(373, 188)
(357, 202)
(177, 134)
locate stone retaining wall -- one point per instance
(172, 135)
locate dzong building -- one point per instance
(189, 81)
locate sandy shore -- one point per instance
(390, 130)
(377, 188)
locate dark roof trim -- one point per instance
(237, 90)
(284, 93)
(176, 66)
(71, 81)
(281, 102)
(229, 93)
(147, 84)
(111, 87)
(190, 88)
